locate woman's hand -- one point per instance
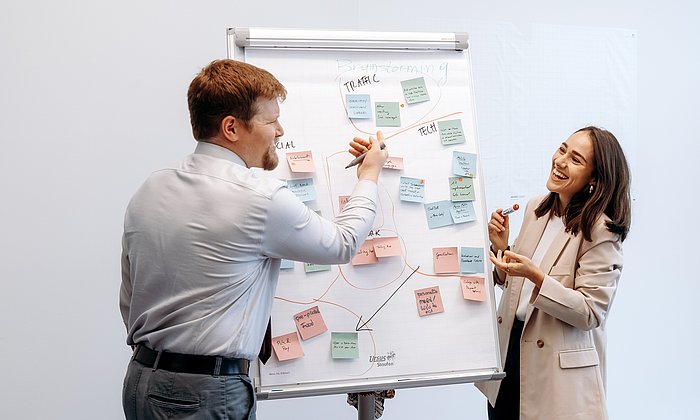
(516, 265)
(499, 230)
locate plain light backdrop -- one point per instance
(92, 99)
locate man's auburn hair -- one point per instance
(228, 87)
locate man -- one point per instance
(202, 246)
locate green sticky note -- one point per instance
(344, 345)
(387, 114)
(451, 132)
(414, 90)
(461, 188)
(312, 268)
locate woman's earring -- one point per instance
(590, 189)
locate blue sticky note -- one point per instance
(464, 164)
(451, 132)
(463, 212)
(387, 114)
(312, 268)
(302, 188)
(438, 214)
(358, 106)
(461, 188)
(412, 189)
(286, 264)
(414, 90)
(471, 260)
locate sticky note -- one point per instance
(287, 346)
(414, 90)
(344, 345)
(302, 188)
(463, 212)
(461, 188)
(310, 323)
(446, 260)
(471, 260)
(286, 264)
(342, 201)
(451, 132)
(438, 214)
(473, 288)
(387, 247)
(387, 114)
(429, 301)
(301, 161)
(365, 255)
(394, 162)
(464, 164)
(358, 106)
(412, 189)
(313, 268)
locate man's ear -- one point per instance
(228, 127)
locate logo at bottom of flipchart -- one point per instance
(383, 360)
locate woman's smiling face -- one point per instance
(572, 167)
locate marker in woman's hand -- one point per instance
(510, 210)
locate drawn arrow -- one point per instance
(359, 327)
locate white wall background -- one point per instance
(92, 98)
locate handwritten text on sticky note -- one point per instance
(287, 346)
(387, 247)
(365, 255)
(471, 260)
(344, 345)
(310, 323)
(473, 288)
(429, 301)
(301, 161)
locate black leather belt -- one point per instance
(190, 363)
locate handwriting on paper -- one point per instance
(387, 247)
(387, 114)
(344, 345)
(301, 161)
(358, 106)
(464, 164)
(414, 90)
(473, 288)
(446, 260)
(471, 260)
(394, 162)
(365, 255)
(303, 188)
(451, 132)
(461, 188)
(429, 301)
(287, 346)
(310, 323)
(438, 214)
(463, 212)
(411, 189)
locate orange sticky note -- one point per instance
(365, 255)
(301, 161)
(342, 201)
(473, 288)
(446, 260)
(310, 323)
(429, 301)
(287, 346)
(387, 247)
(394, 162)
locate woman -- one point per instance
(559, 280)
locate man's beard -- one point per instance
(270, 159)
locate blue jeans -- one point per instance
(161, 394)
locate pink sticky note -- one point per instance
(342, 201)
(429, 301)
(366, 254)
(394, 162)
(387, 247)
(301, 161)
(473, 288)
(446, 260)
(310, 323)
(287, 346)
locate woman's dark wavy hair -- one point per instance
(611, 193)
